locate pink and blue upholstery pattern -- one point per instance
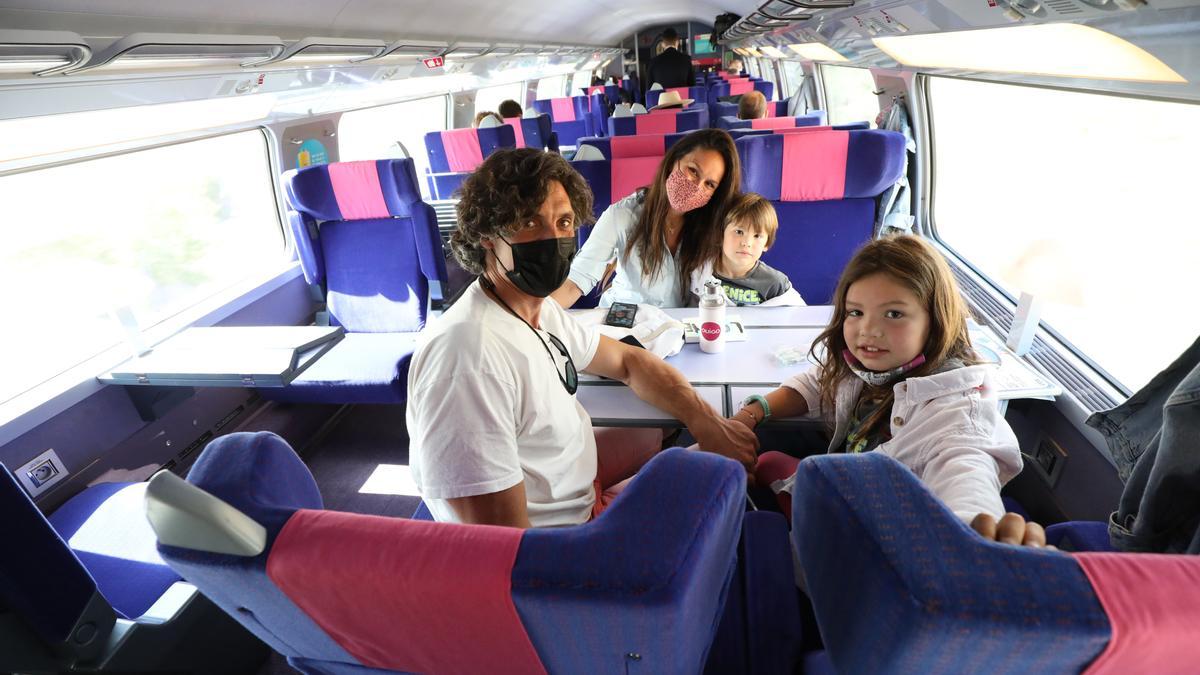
(378, 253)
(569, 117)
(598, 114)
(659, 122)
(955, 603)
(454, 154)
(612, 180)
(533, 132)
(823, 185)
(813, 119)
(398, 595)
(739, 86)
(719, 109)
(698, 95)
(621, 147)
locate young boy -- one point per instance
(750, 227)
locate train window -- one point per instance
(849, 95)
(580, 83)
(793, 75)
(1081, 199)
(144, 237)
(489, 98)
(551, 87)
(752, 66)
(372, 133)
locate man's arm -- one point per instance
(506, 507)
(665, 388)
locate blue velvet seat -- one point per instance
(366, 238)
(899, 584)
(570, 117)
(624, 592)
(823, 185)
(454, 154)
(70, 581)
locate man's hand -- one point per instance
(729, 438)
(1012, 529)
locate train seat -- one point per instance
(598, 114)
(813, 119)
(569, 117)
(365, 236)
(823, 185)
(344, 592)
(533, 130)
(698, 95)
(659, 122)
(86, 587)
(956, 603)
(454, 154)
(719, 109)
(620, 147)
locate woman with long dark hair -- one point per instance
(661, 233)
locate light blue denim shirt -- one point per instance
(606, 243)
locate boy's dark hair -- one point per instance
(506, 190)
(509, 109)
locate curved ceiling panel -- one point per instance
(602, 22)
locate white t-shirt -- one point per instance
(607, 242)
(486, 410)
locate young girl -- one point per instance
(898, 375)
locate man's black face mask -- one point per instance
(540, 267)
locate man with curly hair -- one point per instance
(497, 435)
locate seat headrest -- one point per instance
(183, 515)
(622, 110)
(530, 113)
(256, 473)
(821, 165)
(587, 153)
(354, 190)
(656, 87)
(490, 122)
(638, 109)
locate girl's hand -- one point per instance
(745, 418)
(1012, 529)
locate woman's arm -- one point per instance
(588, 267)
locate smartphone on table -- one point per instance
(621, 315)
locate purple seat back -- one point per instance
(570, 117)
(461, 150)
(362, 230)
(823, 185)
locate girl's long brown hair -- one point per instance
(700, 240)
(920, 268)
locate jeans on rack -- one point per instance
(1154, 438)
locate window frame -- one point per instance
(75, 383)
(927, 224)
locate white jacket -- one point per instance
(946, 428)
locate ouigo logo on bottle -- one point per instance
(710, 330)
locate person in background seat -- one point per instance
(509, 109)
(497, 434)
(734, 67)
(752, 106)
(671, 68)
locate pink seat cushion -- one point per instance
(800, 130)
(1153, 605)
(740, 87)
(814, 166)
(515, 123)
(562, 109)
(356, 190)
(462, 149)
(655, 124)
(632, 173)
(773, 123)
(407, 595)
(637, 146)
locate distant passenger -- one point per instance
(497, 434)
(734, 67)
(661, 234)
(750, 229)
(671, 68)
(481, 116)
(752, 106)
(898, 376)
(509, 109)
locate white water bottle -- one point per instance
(712, 318)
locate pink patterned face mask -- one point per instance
(683, 194)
